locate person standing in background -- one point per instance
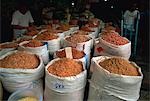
(21, 20)
(87, 13)
(130, 16)
(67, 15)
(47, 14)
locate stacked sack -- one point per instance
(65, 28)
(86, 34)
(71, 53)
(60, 34)
(52, 40)
(19, 70)
(110, 43)
(7, 47)
(80, 42)
(94, 24)
(98, 22)
(74, 28)
(89, 31)
(35, 47)
(65, 80)
(114, 79)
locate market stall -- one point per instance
(73, 56)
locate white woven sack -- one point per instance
(41, 51)
(14, 71)
(96, 29)
(98, 50)
(14, 79)
(112, 50)
(4, 51)
(83, 59)
(110, 84)
(84, 46)
(61, 36)
(102, 25)
(53, 45)
(98, 95)
(74, 28)
(12, 87)
(63, 87)
(58, 96)
(67, 33)
(92, 34)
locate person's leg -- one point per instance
(125, 32)
(131, 34)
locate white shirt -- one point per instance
(22, 20)
(129, 18)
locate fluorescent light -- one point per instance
(105, 0)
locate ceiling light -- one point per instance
(72, 3)
(112, 6)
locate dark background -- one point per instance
(101, 10)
